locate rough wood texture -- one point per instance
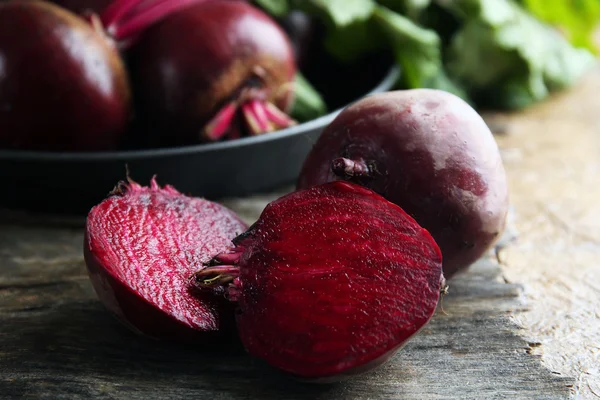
(57, 341)
(552, 156)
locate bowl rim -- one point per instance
(384, 84)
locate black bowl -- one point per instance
(72, 183)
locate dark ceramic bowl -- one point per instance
(72, 183)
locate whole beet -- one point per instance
(142, 245)
(330, 281)
(62, 85)
(429, 152)
(195, 67)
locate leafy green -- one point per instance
(308, 103)
(506, 52)
(501, 46)
(417, 51)
(409, 8)
(339, 13)
(576, 18)
(278, 8)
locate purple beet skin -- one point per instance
(62, 84)
(429, 152)
(212, 69)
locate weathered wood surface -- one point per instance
(552, 157)
(57, 341)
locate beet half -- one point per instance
(143, 244)
(63, 87)
(429, 152)
(330, 281)
(212, 71)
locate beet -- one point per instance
(83, 7)
(429, 152)
(142, 244)
(201, 71)
(330, 281)
(63, 86)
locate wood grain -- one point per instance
(58, 342)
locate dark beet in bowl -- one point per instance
(71, 183)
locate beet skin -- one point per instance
(63, 86)
(143, 244)
(429, 152)
(330, 281)
(195, 62)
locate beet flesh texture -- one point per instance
(434, 156)
(62, 86)
(142, 245)
(193, 62)
(334, 280)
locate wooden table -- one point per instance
(493, 337)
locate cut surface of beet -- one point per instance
(143, 244)
(330, 281)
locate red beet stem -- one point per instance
(124, 20)
(276, 116)
(347, 168)
(116, 10)
(260, 117)
(156, 11)
(251, 119)
(220, 124)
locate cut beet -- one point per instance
(330, 281)
(429, 152)
(142, 245)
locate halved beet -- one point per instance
(429, 152)
(330, 281)
(143, 244)
(63, 85)
(204, 70)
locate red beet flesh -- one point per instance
(429, 152)
(330, 281)
(62, 85)
(142, 245)
(201, 71)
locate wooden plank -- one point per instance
(58, 342)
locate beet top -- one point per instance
(202, 71)
(429, 152)
(330, 281)
(63, 86)
(142, 245)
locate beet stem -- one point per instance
(148, 16)
(347, 168)
(251, 120)
(220, 124)
(213, 277)
(275, 115)
(115, 11)
(261, 116)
